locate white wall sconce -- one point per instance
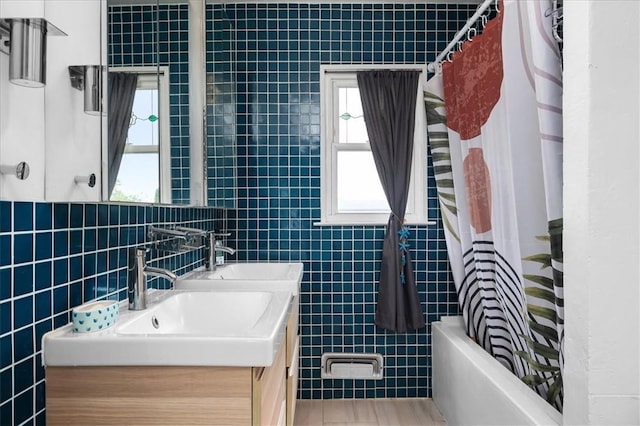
(88, 79)
(25, 41)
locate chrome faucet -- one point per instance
(137, 272)
(211, 248)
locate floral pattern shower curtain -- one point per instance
(495, 132)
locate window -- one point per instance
(350, 188)
(144, 169)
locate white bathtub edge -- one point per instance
(471, 387)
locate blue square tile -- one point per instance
(44, 216)
(61, 216)
(6, 387)
(23, 216)
(5, 317)
(90, 215)
(43, 305)
(103, 215)
(106, 284)
(90, 288)
(22, 311)
(60, 300)
(6, 411)
(40, 396)
(23, 280)
(61, 243)
(6, 351)
(90, 239)
(75, 268)
(60, 271)
(89, 264)
(60, 320)
(75, 294)
(23, 343)
(43, 275)
(114, 215)
(5, 283)
(43, 245)
(5, 216)
(23, 406)
(75, 241)
(101, 262)
(5, 250)
(22, 248)
(76, 216)
(103, 238)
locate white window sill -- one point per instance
(356, 223)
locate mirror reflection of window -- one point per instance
(140, 174)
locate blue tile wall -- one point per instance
(54, 257)
(221, 109)
(150, 35)
(275, 51)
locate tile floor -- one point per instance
(368, 412)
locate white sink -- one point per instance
(245, 276)
(202, 314)
(206, 328)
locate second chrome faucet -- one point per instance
(210, 261)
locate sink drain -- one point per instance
(155, 322)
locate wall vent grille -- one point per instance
(351, 366)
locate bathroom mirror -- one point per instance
(197, 161)
(147, 141)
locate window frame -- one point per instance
(333, 77)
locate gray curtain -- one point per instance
(122, 91)
(389, 106)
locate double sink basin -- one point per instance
(233, 316)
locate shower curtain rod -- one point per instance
(460, 34)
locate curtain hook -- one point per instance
(439, 68)
(449, 56)
(460, 46)
(469, 31)
(497, 6)
(484, 21)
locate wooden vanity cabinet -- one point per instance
(143, 395)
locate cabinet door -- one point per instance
(148, 395)
(292, 330)
(292, 383)
(269, 392)
(293, 341)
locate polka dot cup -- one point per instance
(95, 316)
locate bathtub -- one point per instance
(471, 388)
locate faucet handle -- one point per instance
(137, 257)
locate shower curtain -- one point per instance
(495, 133)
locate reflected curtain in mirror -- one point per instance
(122, 91)
(389, 108)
